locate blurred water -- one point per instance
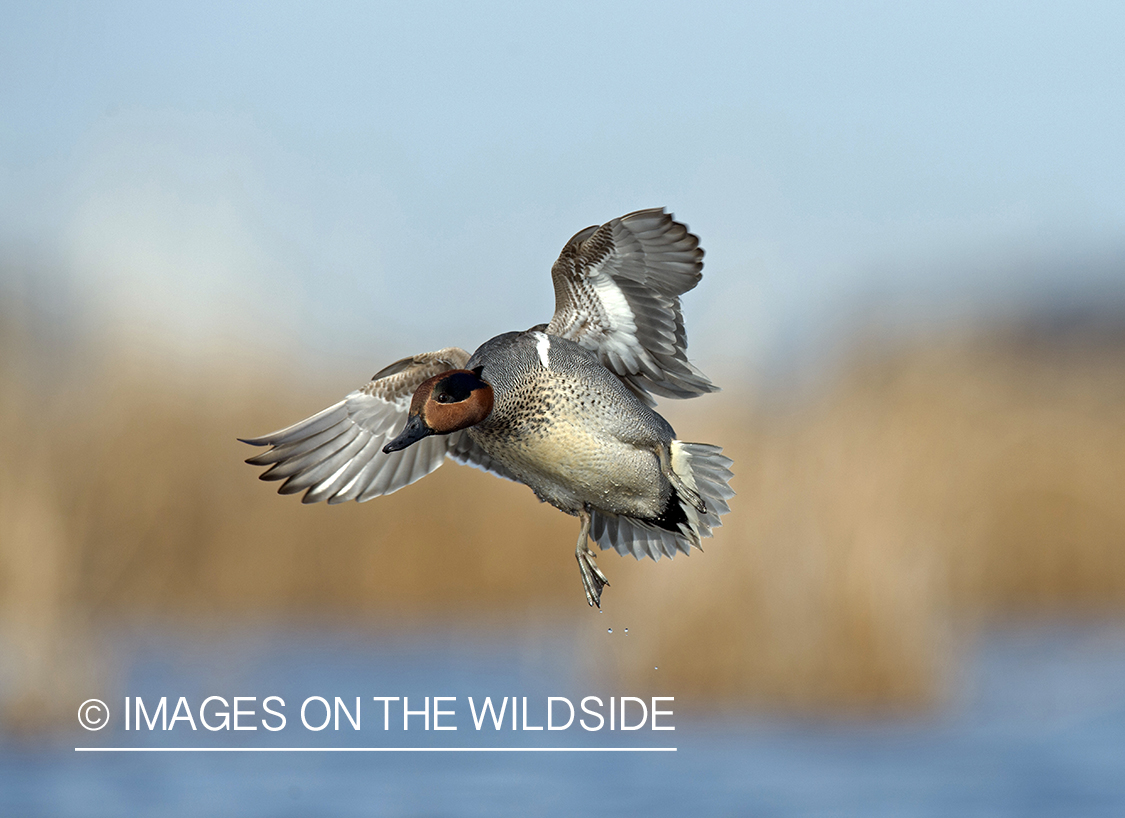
(1035, 728)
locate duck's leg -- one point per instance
(593, 580)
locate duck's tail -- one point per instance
(700, 489)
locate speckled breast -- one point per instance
(569, 429)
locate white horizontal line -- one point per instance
(375, 749)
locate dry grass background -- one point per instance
(878, 517)
(884, 516)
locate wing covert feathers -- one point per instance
(617, 291)
(337, 454)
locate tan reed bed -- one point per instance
(877, 515)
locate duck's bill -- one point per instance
(415, 430)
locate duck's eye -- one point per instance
(445, 397)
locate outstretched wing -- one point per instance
(617, 290)
(337, 454)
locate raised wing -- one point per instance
(617, 290)
(337, 455)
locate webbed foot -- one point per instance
(593, 580)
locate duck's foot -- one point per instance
(593, 580)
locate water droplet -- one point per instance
(611, 630)
(656, 668)
(626, 630)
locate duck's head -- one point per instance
(445, 403)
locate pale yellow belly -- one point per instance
(571, 467)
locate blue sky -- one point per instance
(385, 178)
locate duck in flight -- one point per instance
(564, 408)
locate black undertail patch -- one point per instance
(672, 516)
